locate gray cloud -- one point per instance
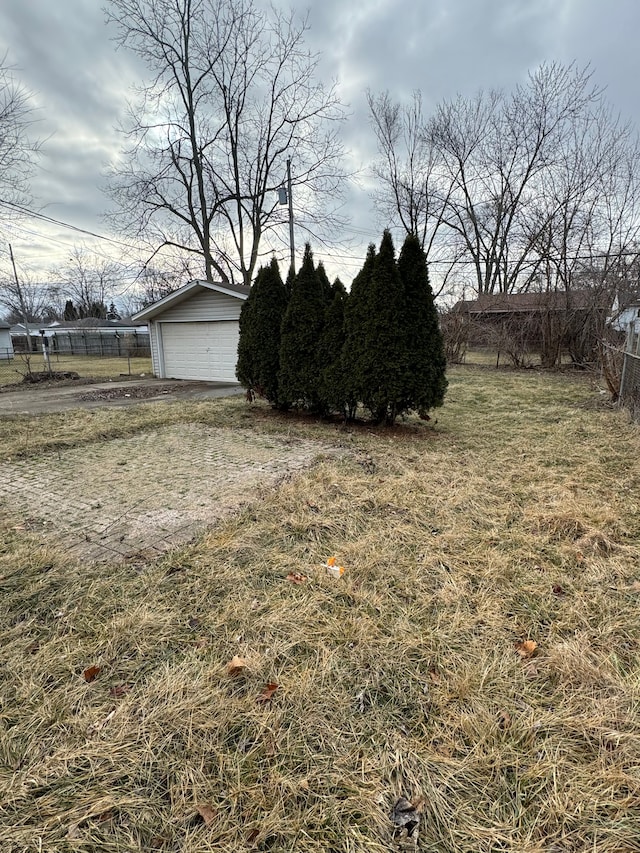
(64, 54)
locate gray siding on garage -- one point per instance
(204, 306)
(155, 356)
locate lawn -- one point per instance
(86, 366)
(479, 655)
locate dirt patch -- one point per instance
(137, 392)
(148, 493)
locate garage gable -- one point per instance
(204, 305)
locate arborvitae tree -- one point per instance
(374, 345)
(96, 309)
(302, 326)
(384, 377)
(291, 277)
(259, 345)
(333, 387)
(70, 312)
(425, 382)
(354, 352)
(326, 284)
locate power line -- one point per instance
(59, 222)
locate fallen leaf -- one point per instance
(119, 690)
(435, 677)
(236, 665)
(557, 589)
(504, 720)
(201, 643)
(105, 816)
(304, 784)
(73, 831)
(296, 577)
(405, 817)
(527, 648)
(267, 692)
(91, 673)
(207, 814)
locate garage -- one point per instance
(205, 350)
(194, 332)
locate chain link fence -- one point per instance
(68, 355)
(630, 378)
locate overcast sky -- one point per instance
(62, 52)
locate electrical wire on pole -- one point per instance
(23, 308)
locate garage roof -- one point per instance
(238, 290)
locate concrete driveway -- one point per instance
(34, 399)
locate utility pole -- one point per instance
(291, 244)
(23, 307)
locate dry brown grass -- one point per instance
(515, 518)
(94, 367)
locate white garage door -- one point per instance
(206, 350)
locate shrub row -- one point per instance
(310, 344)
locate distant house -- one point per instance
(547, 322)
(91, 336)
(6, 347)
(195, 330)
(19, 336)
(626, 310)
(503, 305)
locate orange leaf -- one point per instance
(267, 692)
(296, 577)
(527, 648)
(207, 814)
(236, 665)
(504, 720)
(91, 673)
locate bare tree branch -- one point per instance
(233, 94)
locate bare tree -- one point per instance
(412, 188)
(17, 148)
(476, 170)
(495, 149)
(233, 95)
(27, 299)
(155, 284)
(89, 280)
(586, 226)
